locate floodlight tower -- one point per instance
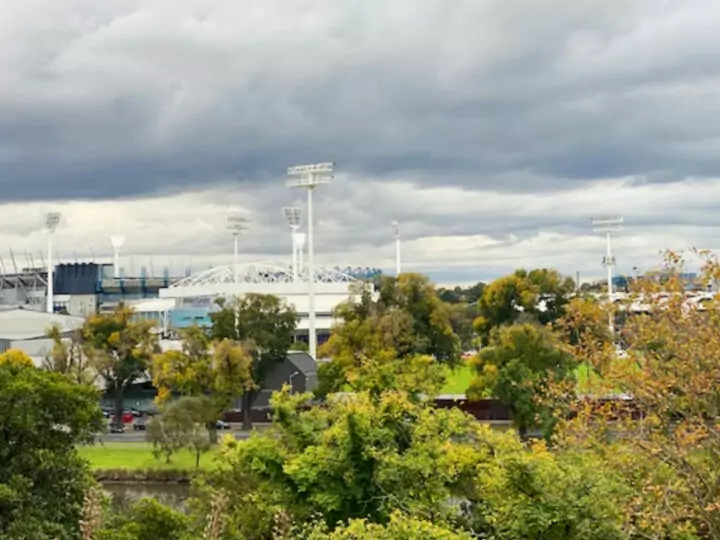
(293, 215)
(300, 238)
(608, 225)
(117, 242)
(396, 232)
(236, 223)
(52, 220)
(310, 177)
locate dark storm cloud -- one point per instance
(118, 101)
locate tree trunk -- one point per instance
(212, 432)
(119, 393)
(197, 459)
(247, 400)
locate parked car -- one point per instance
(115, 428)
(220, 424)
(140, 424)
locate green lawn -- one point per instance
(138, 456)
(458, 379)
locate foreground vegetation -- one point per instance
(375, 460)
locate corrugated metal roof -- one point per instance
(27, 324)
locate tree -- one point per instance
(400, 527)
(43, 417)
(219, 372)
(67, 357)
(147, 519)
(166, 433)
(119, 349)
(458, 295)
(404, 321)
(665, 431)
(181, 424)
(539, 295)
(266, 325)
(518, 368)
(392, 467)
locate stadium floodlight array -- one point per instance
(608, 225)
(236, 223)
(396, 232)
(309, 177)
(52, 220)
(293, 216)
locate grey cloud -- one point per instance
(132, 99)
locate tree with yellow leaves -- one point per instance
(220, 372)
(662, 430)
(119, 349)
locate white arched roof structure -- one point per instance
(331, 288)
(260, 273)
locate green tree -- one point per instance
(182, 423)
(404, 320)
(539, 295)
(119, 349)
(518, 368)
(147, 519)
(390, 466)
(266, 325)
(363, 457)
(218, 372)
(43, 417)
(400, 527)
(458, 295)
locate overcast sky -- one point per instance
(490, 130)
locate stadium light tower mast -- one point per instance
(52, 220)
(236, 223)
(293, 215)
(310, 177)
(396, 232)
(608, 225)
(117, 242)
(300, 241)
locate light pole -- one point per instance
(396, 232)
(117, 242)
(310, 177)
(608, 225)
(300, 243)
(236, 223)
(290, 380)
(293, 215)
(52, 220)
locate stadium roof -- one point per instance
(260, 273)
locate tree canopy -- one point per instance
(518, 367)
(538, 295)
(43, 416)
(265, 326)
(119, 350)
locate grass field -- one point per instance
(138, 456)
(458, 380)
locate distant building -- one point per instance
(26, 330)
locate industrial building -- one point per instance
(26, 330)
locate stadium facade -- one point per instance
(176, 302)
